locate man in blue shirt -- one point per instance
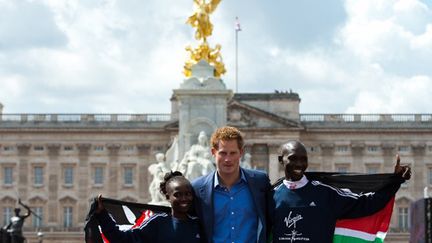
(232, 202)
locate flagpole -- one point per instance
(237, 29)
(236, 57)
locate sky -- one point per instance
(127, 56)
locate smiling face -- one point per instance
(293, 157)
(179, 195)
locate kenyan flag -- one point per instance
(368, 229)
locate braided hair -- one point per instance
(169, 176)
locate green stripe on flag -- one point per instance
(348, 239)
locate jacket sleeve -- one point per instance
(351, 205)
(112, 232)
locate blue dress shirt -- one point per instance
(235, 216)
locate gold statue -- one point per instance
(204, 52)
(201, 21)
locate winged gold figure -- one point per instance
(201, 18)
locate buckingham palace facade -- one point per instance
(57, 163)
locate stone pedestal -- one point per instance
(201, 104)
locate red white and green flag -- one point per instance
(368, 229)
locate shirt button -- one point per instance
(232, 212)
(232, 228)
(232, 198)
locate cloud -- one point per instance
(28, 24)
(403, 96)
(127, 56)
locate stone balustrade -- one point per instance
(365, 118)
(82, 118)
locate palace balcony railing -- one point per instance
(365, 118)
(81, 118)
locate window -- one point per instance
(313, 168)
(68, 175)
(129, 148)
(403, 148)
(313, 149)
(342, 149)
(68, 148)
(403, 220)
(8, 175)
(38, 175)
(128, 176)
(372, 169)
(37, 220)
(430, 175)
(372, 149)
(38, 148)
(7, 215)
(98, 148)
(67, 217)
(341, 168)
(260, 157)
(98, 175)
(8, 148)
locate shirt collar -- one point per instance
(216, 178)
(296, 184)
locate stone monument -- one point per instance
(158, 171)
(200, 102)
(246, 162)
(197, 160)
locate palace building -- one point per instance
(57, 163)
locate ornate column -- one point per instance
(83, 175)
(389, 156)
(23, 170)
(53, 170)
(144, 177)
(327, 151)
(357, 150)
(114, 170)
(417, 167)
(275, 169)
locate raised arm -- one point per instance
(26, 207)
(403, 171)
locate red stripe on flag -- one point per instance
(105, 240)
(144, 216)
(372, 224)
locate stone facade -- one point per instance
(58, 163)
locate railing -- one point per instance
(79, 118)
(351, 118)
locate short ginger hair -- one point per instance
(226, 133)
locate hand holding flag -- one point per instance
(403, 171)
(100, 207)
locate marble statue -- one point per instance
(246, 162)
(158, 171)
(197, 160)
